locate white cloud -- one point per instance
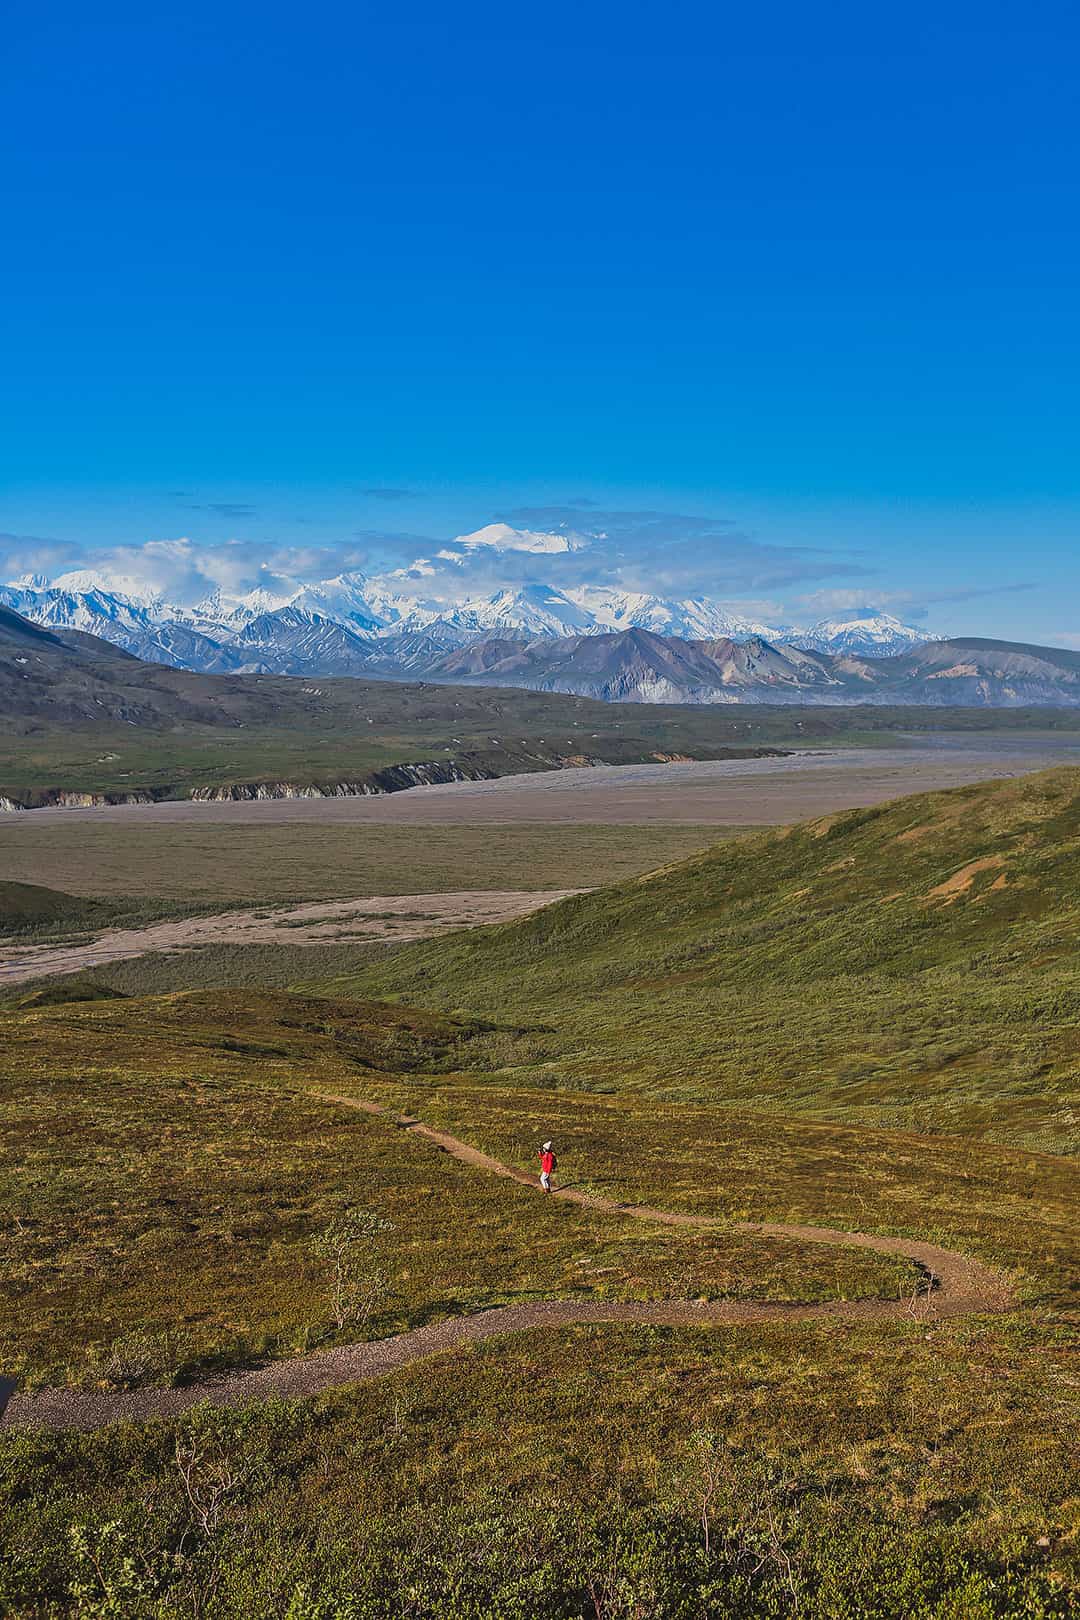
(179, 570)
(504, 537)
(564, 547)
(419, 568)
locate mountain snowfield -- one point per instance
(865, 635)
(390, 624)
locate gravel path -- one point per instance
(949, 1284)
(377, 919)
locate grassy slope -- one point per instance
(912, 965)
(863, 1475)
(165, 1177)
(158, 1164)
(30, 905)
(166, 1171)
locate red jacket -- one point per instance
(547, 1162)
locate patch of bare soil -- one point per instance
(961, 881)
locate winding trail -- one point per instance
(950, 1284)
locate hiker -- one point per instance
(548, 1161)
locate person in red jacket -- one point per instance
(548, 1162)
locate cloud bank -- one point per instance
(564, 546)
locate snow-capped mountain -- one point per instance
(343, 598)
(532, 610)
(693, 617)
(389, 625)
(292, 641)
(159, 635)
(863, 634)
(103, 582)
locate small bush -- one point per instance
(349, 1248)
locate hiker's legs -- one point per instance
(545, 1180)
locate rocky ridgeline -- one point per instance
(64, 799)
(394, 779)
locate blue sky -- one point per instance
(331, 281)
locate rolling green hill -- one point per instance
(26, 906)
(912, 965)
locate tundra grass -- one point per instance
(251, 863)
(913, 966)
(1016, 1209)
(826, 1473)
(817, 1472)
(250, 967)
(166, 1173)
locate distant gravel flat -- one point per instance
(385, 919)
(732, 793)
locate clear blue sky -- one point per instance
(812, 269)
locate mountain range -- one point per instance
(629, 666)
(383, 625)
(594, 640)
(636, 666)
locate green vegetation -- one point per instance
(1018, 1210)
(586, 1474)
(197, 731)
(251, 967)
(166, 1172)
(33, 915)
(742, 1034)
(269, 729)
(251, 862)
(912, 965)
(61, 992)
(27, 907)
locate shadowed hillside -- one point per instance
(913, 965)
(26, 906)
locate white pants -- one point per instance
(545, 1180)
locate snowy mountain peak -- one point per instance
(536, 610)
(864, 633)
(696, 618)
(344, 597)
(102, 582)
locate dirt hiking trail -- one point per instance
(947, 1284)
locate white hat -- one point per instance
(546, 1146)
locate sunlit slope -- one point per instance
(912, 964)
